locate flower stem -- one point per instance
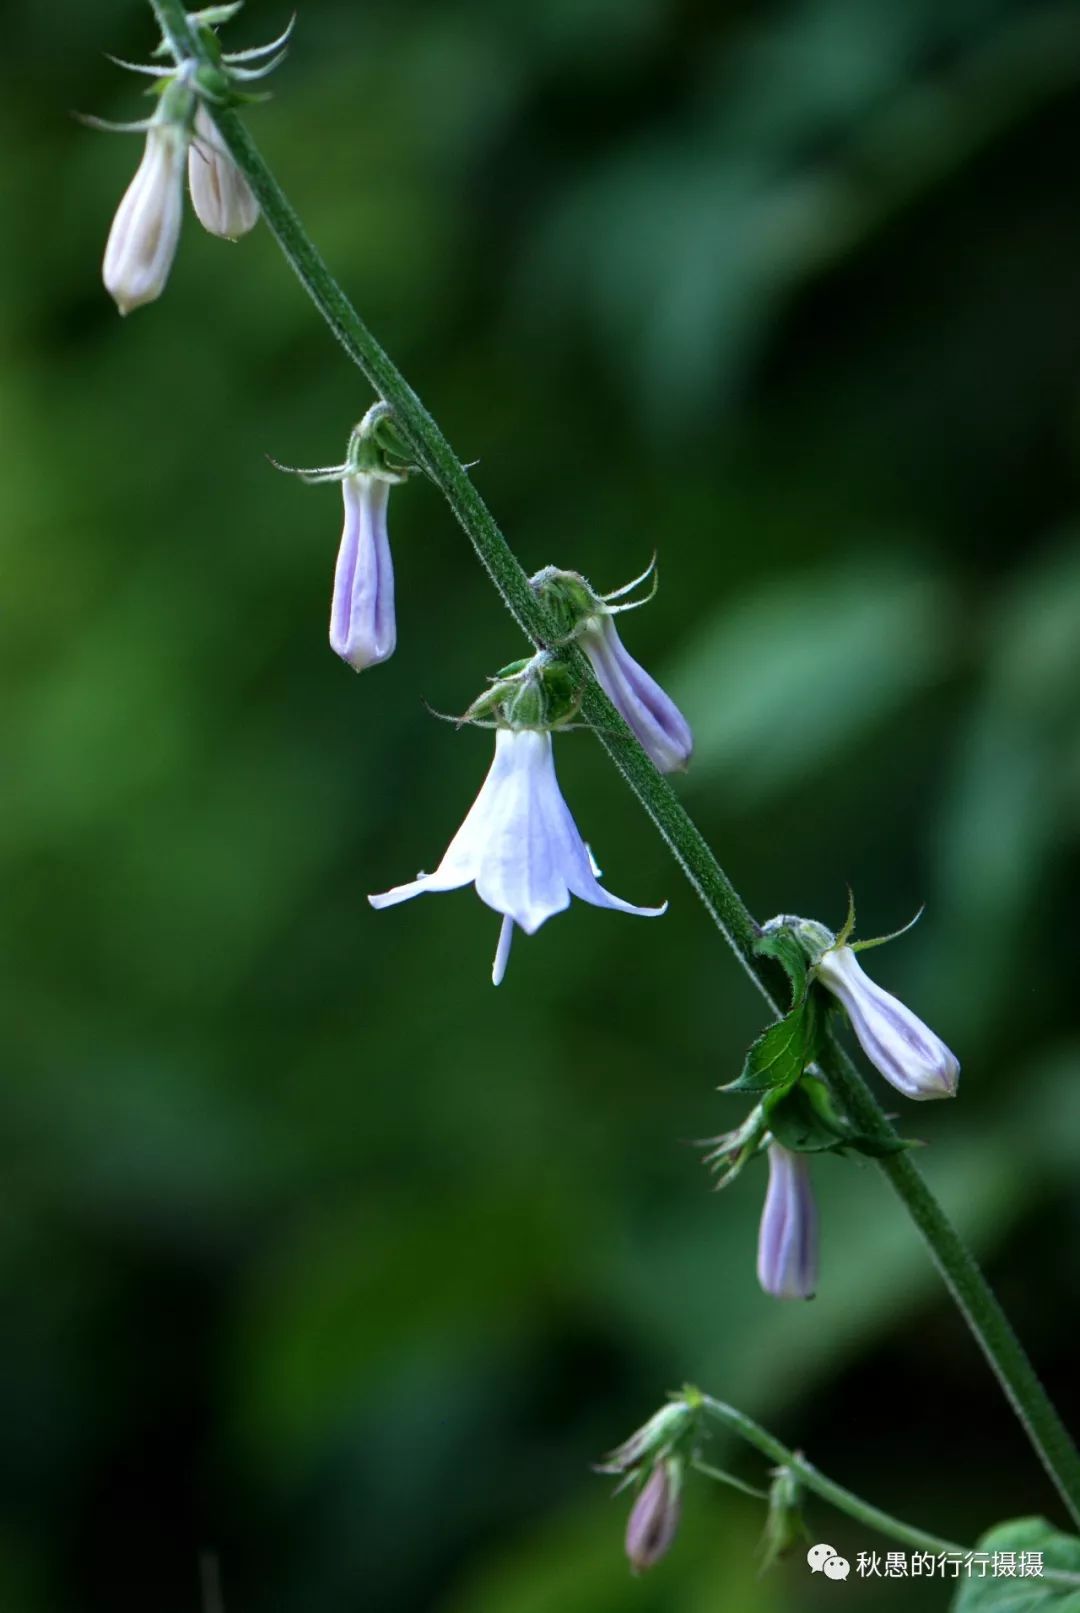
(844, 1500)
(438, 460)
(736, 1422)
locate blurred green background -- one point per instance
(315, 1250)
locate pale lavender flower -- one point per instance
(363, 628)
(146, 229)
(787, 1264)
(220, 194)
(907, 1052)
(519, 846)
(588, 618)
(654, 1517)
(651, 714)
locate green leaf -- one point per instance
(784, 946)
(780, 1055)
(997, 1593)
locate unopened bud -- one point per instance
(787, 1243)
(221, 196)
(363, 626)
(654, 1517)
(907, 1052)
(143, 239)
(588, 618)
(785, 1525)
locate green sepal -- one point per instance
(568, 599)
(806, 1121)
(729, 1152)
(391, 441)
(538, 692)
(213, 82)
(785, 1525)
(1004, 1593)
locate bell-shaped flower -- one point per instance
(654, 1517)
(221, 196)
(145, 232)
(589, 619)
(907, 1052)
(787, 1264)
(519, 846)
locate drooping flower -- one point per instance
(519, 846)
(654, 1517)
(589, 619)
(787, 1264)
(897, 1043)
(146, 229)
(221, 196)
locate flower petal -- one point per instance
(363, 630)
(146, 229)
(521, 870)
(897, 1043)
(502, 951)
(650, 713)
(579, 864)
(787, 1242)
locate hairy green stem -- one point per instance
(736, 1422)
(438, 460)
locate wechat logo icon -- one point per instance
(824, 1560)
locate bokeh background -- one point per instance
(316, 1251)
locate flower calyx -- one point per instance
(537, 692)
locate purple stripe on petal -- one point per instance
(651, 714)
(787, 1242)
(363, 629)
(654, 1518)
(896, 1041)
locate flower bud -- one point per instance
(654, 1517)
(221, 196)
(588, 619)
(895, 1040)
(144, 235)
(784, 1525)
(363, 627)
(787, 1264)
(650, 714)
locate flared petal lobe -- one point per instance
(788, 1239)
(146, 229)
(221, 196)
(651, 714)
(518, 845)
(897, 1043)
(363, 628)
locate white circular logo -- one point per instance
(824, 1559)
